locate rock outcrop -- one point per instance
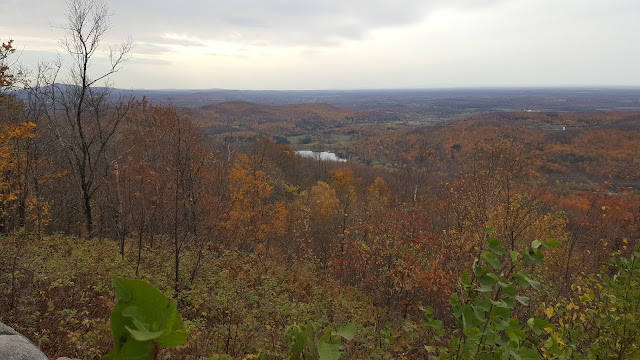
(14, 346)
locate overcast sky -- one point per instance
(353, 44)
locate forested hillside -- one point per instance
(502, 235)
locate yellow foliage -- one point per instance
(253, 215)
(344, 181)
(549, 312)
(324, 203)
(378, 193)
(13, 156)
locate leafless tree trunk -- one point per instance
(83, 115)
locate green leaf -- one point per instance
(522, 300)
(493, 277)
(479, 271)
(536, 244)
(523, 280)
(172, 339)
(329, 350)
(495, 247)
(327, 336)
(513, 336)
(348, 332)
(514, 255)
(434, 324)
(143, 335)
(465, 280)
(479, 313)
(500, 304)
(126, 347)
(142, 313)
(551, 244)
(538, 325)
(510, 301)
(469, 319)
(513, 324)
(426, 311)
(488, 279)
(473, 333)
(527, 354)
(491, 259)
(454, 300)
(298, 338)
(533, 257)
(485, 288)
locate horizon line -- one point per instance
(444, 88)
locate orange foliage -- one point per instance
(253, 217)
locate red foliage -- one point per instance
(394, 256)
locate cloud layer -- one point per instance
(356, 43)
(280, 22)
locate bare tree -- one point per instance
(84, 114)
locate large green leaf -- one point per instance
(523, 280)
(348, 332)
(143, 334)
(143, 314)
(465, 280)
(131, 349)
(495, 247)
(522, 300)
(297, 346)
(551, 244)
(491, 259)
(331, 350)
(536, 244)
(533, 257)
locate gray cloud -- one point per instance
(146, 48)
(276, 22)
(297, 43)
(146, 61)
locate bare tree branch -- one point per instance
(82, 116)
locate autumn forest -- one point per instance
(476, 234)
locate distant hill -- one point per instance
(441, 102)
(250, 113)
(414, 105)
(250, 120)
(588, 147)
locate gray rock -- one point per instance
(7, 330)
(14, 346)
